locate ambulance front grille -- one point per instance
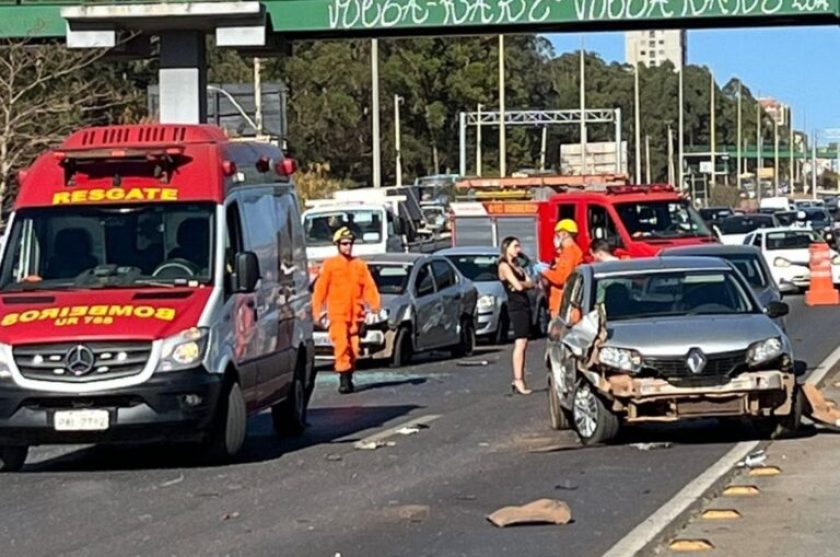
(82, 362)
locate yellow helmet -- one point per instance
(567, 225)
(343, 233)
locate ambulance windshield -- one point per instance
(366, 224)
(116, 246)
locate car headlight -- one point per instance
(621, 358)
(486, 302)
(372, 318)
(184, 350)
(781, 262)
(764, 351)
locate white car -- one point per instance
(734, 229)
(787, 255)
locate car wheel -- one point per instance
(229, 426)
(12, 459)
(593, 421)
(503, 329)
(403, 348)
(289, 417)
(779, 427)
(466, 344)
(557, 414)
(543, 319)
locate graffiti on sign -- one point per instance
(368, 14)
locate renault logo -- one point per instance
(696, 361)
(79, 360)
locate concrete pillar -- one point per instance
(183, 77)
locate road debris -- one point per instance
(413, 513)
(473, 363)
(372, 445)
(566, 485)
(172, 482)
(408, 430)
(541, 511)
(822, 410)
(230, 516)
(753, 460)
(332, 457)
(651, 446)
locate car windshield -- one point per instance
(786, 218)
(750, 266)
(745, 225)
(792, 239)
(715, 213)
(818, 217)
(115, 246)
(660, 294)
(366, 224)
(390, 278)
(478, 268)
(661, 219)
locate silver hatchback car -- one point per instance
(667, 339)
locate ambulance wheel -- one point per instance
(403, 348)
(227, 434)
(289, 416)
(12, 459)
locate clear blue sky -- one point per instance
(800, 66)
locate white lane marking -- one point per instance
(638, 538)
(390, 432)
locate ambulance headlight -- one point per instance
(184, 350)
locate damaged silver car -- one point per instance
(667, 339)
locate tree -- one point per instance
(47, 91)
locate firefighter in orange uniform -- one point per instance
(568, 257)
(345, 286)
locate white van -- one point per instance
(776, 203)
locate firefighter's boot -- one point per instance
(346, 383)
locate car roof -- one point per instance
(469, 250)
(779, 229)
(709, 250)
(657, 264)
(395, 258)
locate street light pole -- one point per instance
(637, 118)
(374, 77)
(758, 161)
(478, 140)
(397, 101)
(776, 155)
(543, 145)
(647, 159)
(814, 166)
(792, 170)
(670, 154)
(681, 129)
(738, 147)
(582, 107)
(712, 129)
(502, 145)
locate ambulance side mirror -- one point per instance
(246, 272)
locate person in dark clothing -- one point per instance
(517, 283)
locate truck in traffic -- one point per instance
(637, 221)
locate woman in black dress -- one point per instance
(517, 283)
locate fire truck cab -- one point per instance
(153, 286)
(637, 221)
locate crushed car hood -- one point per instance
(675, 336)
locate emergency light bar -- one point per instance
(651, 188)
(69, 159)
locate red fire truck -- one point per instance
(637, 221)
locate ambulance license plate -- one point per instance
(81, 420)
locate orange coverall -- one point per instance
(565, 262)
(345, 285)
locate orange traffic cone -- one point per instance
(821, 290)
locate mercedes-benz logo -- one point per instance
(696, 361)
(79, 360)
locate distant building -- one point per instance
(778, 111)
(654, 48)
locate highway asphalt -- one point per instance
(427, 494)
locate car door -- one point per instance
(429, 309)
(450, 295)
(571, 311)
